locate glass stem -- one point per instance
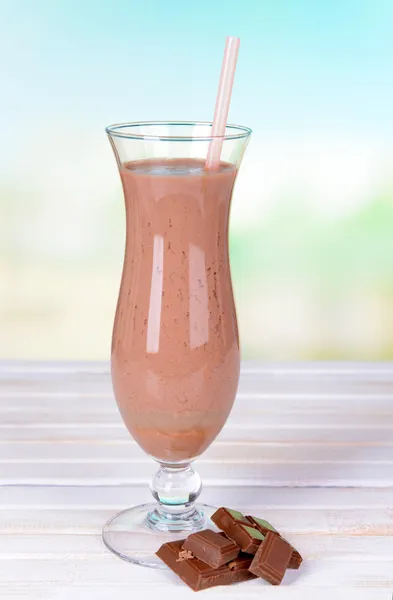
(176, 488)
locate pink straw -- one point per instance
(223, 101)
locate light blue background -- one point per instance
(312, 242)
(305, 65)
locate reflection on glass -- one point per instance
(156, 289)
(199, 303)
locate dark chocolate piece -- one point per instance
(211, 547)
(264, 526)
(272, 559)
(197, 574)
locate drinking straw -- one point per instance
(223, 101)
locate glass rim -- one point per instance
(115, 130)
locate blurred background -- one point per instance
(312, 218)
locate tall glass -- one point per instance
(175, 346)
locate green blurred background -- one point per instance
(312, 219)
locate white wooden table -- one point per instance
(310, 448)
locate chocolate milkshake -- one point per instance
(175, 346)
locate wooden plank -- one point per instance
(257, 402)
(344, 368)
(251, 498)
(255, 386)
(242, 415)
(121, 590)
(298, 378)
(356, 473)
(239, 419)
(110, 570)
(250, 387)
(42, 367)
(87, 547)
(247, 432)
(222, 451)
(329, 521)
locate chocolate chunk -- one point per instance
(238, 528)
(272, 559)
(296, 559)
(226, 517)
(211, 547)
(264, 526)
(222, 534)
(240, 565)
(197, 574)
(246, 537)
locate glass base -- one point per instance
(136, 534)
